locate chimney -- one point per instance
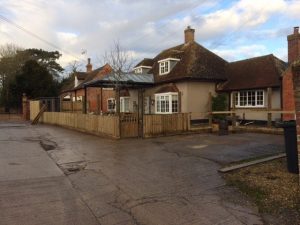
(293, 45)
(189, 35)
(89, 66)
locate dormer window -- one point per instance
(141, 69)
(138, 70)
(166, 65)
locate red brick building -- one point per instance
(287, 80)
(97, 98)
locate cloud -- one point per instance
(146, 27)
(242, 52)
(243, 15)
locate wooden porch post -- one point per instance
(233, 110)
(72, 106)
(141, 113)
(85, 100)
(210, 115)
(269, 91)
(101, 100)
(117, 99)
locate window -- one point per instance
(164, 67)
(166, 103)
(254, 98)
(138, 70)
(111, 104)
(124, 104)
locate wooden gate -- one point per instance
(129, 125)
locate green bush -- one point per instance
(219, 103)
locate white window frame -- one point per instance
(158, 98)
(163, 68)
(138, 70)
(246, 94)
(114, 109)
(123, 104)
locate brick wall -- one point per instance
(293, 45)
(296, 82)
(288, 101)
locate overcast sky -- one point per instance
(233, 29)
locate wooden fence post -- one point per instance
(189, 120)
(140, 112)
(233, 115)
(210, 116)
(269, 90)
(25, 107)
(85, 100)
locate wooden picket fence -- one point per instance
(123, 126)
(95, 124)
(158, 125)
(129, 125)
(70, 106)
(34, 109)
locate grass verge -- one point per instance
(275, 191)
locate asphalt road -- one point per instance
(50, 175)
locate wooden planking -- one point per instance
(34, 107)
(156, 125)
(129, 125)
(102, 125)
(68, 106)
(254, 162)
(13, 117)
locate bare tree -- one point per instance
(9, 50)
(121, 63)
(74, 66)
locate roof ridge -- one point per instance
(255, 57)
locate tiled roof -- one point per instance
(196, 62)
(80, 75)
(258, 72)
(89, 76)
(145, 62)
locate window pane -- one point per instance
(167, 103)
(243, 98)
(236, 99)
(174, 103)
(166, 66)
(111, 104)
(163, 106)
(260, 98)
(126, 105)
(251, 98)
(158, 104)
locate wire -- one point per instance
(3, 18)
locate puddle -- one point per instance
(198, 146)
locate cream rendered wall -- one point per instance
(194, 97)
(133, 100)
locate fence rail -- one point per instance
(96, 124)
(71, 106)
(155, 125)
(10, 116)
